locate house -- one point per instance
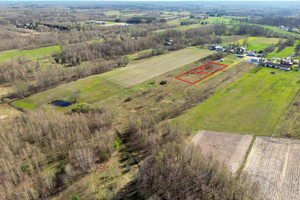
(212, 47)
(286, 62)
(277, 66)
(251, 53)
(255, 60)
(168, 42)
(241, 50)
(219, 48)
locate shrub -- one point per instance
(82, 108)
(116, 144)
(5, 100)
(255, 70)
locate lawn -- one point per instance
(32, 54)
(101, 86)
(284, 53)
(251, 105)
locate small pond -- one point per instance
(61, 103)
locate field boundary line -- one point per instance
(239, 172)
(229, 66)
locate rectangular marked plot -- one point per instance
(228, 149)
(274, 163)
(200, 73)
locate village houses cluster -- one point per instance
(257, 57)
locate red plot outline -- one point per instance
(177, 77)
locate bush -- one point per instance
(82, 108)
(5, 100)
(116, 144)
(255, 70)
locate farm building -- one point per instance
(277, 66)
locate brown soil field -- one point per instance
(228, 149)
(274, 163)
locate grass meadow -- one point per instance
(251, 105)
(32, 54)
(87, 90)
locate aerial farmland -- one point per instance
(149, 100)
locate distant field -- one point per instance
(255, 43)
(284, 53)
(274, 164)
(231, 39)
(112, 13)
(253, 104)
(32, 54)
(101, 86)
(260, 43)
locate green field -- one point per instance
(251, 105)
(112, 12)
(254, 43)
(259, 43)
(32, 54)
(284, 53)
(101, 86)
(88, 90)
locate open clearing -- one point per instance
(274, 163)
(33, 54)
(252, 105)
(102, 86)
(228, 149)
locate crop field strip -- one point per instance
(275, 164)
(228, 149)
(102, 86)
(137, 73)
(252, 105)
